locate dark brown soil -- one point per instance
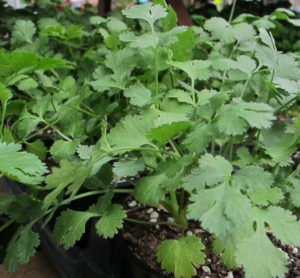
(144, 239)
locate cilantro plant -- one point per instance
(192, 115)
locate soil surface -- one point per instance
(144, 239)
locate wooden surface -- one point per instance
(38, 267)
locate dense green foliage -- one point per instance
(197, 112)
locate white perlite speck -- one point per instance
(295, 250)
(230, 275)
(153, 220)
(154, 215)
(171, 219)
(206, 269)
(150, 210)
(189, 233)
(132, 204)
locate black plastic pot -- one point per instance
(93, 256)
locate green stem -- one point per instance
(173, 207)
(144, 149)
(2, 120)
(213, 146)
(6, 224)
(175, 148)
(150, 223)
(35, 134)
(181, 199)
(58, 131)
(245, 86)
(232, 10)
(231, 149)
(96, 192)
(156, 72)
(193, 91)
(84, 111)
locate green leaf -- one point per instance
(27, 84)
(85, 152)
(63, 149)
(267, 196)
(116, 25)
(111, 221)
(165, 132)
(211, 171)
(181, 96)
(127, 168)
(148, 12)
(284, 225)
(21, 247)
(70, 176)
(5, 95)
(183, 49)
(244, 32)
(139, 95)
(21, 166)
(195, 69)
(198, 139)
(143, 41)
(152, 189)
(181, 256)
(267, 38)
(220, 29)
(105, 83)
(149, 189)
(23, 208)
(251, 252)
(235, 117)
(295, 195)
(252, 178)
(169, 22)
(38, 148)
(70, 226)
(23, 31)
(130, 132)
(290, 86)
(21, 63)
(245, 64)
(220, 209)
(97, 20)
(252, 255)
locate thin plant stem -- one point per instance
(6, 224)
(245, 86)
(58, 131)
(213, 146)
(175, 148)
(232, 10)
(84, 111)
(151, 223)
(2, 120)
(96, 192)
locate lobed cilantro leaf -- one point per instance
(70, 226)
(181, 256)
(111, 221)
(21, 247)
(19, 165)
(211, 171)
(148, 12)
